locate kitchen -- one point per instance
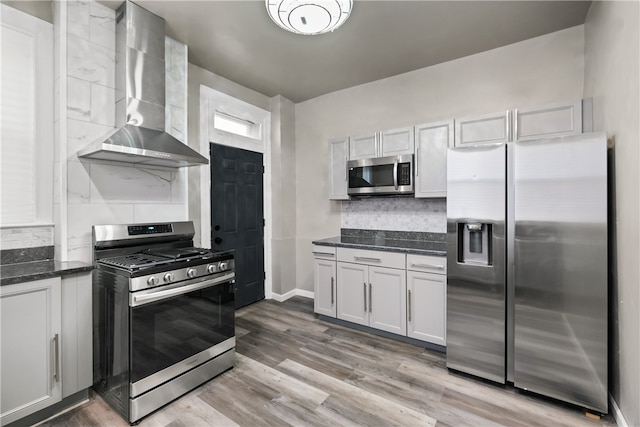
(565, 61)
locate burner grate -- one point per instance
(134, 261)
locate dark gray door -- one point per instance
(237, 216)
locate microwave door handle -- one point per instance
(395, 174)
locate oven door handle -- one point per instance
(137, 300)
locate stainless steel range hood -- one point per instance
(140, 135)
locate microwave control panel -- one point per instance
(404, 174)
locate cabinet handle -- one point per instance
(515, 125)
(370, 293)
(417, 160)
(56, 357)
(324, 253)
(364, 258)
(409, 304)
(365, 297)
(437, 266)
(332, 299)
(507, 120)
(346, 166)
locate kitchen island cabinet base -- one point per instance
(385, 334)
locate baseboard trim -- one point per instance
(292, 293)
(617, 413)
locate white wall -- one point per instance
(612, 78)
(538, 71)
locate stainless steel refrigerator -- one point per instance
(527, 265)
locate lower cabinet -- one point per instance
(388, 291)
(324, 279)
(30, 351)
(427, 298)
(77, 342)
(426, 306)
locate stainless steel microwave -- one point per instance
(381, 175)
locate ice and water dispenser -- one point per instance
(474, 243)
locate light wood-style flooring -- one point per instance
(293, 369)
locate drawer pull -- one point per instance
(364, 258)
(436, 266)
(324, 253)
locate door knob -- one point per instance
(217, 240)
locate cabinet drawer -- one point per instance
(324, 252)
(368, 257)
(427, 263)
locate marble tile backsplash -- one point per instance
(102, 192)
(396, 214)
(26, 237)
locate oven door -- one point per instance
(178, 327)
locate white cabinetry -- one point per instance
(483, 129)
(29, 348)
(363, 146)
(324, 280)
(77, 344)
(392, 142)
(548, 121)
(338, 152)
(523, 123)
(426, 298)
(396, 142)
(431, 142)
(371, 289)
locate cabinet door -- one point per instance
(387, 300)
(548, 121)
(338, 150)
(324, 284)
(485, 129)
(77, 345)
(399, 141)
(426, 306)
(432, 141)
(363, 147)
(353, 292)
(29, 348)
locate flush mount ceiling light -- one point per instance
(309, 16)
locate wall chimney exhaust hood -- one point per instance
(140, 135)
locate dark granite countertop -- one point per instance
(419, 247)
(37, 270)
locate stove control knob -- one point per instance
(191, 273)
(212, 268)
(168, 277)
(224, 266)
(152, 281)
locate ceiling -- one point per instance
(237, 40)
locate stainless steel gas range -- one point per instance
(163, 315)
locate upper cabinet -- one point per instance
(338, 152)
(548, 121)
(393, 142)
(484, 129)
(396, 142)
(432, 141)
(524, 123)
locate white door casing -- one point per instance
(212, 101)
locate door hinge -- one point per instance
(264, 275)
(264, 222)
